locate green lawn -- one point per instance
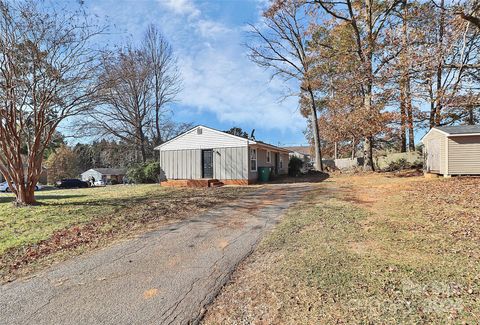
(61, 208)
(365, 249)
(67, 222)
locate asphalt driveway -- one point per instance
(167, 276)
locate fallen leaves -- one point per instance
(140, 215)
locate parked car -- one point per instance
(5, 188)
(72, 183)
(100, 182)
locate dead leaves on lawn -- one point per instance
(453, 203)
(151, 212)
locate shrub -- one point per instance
(113, 182)
(152, 172)
(144, 173)
(294, 166)
(399, 164)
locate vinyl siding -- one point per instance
(228, 163)
(285, 159)
(464, 155)
(439, 136)
(262, 161)
(206, 140)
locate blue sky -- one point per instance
(221, 87)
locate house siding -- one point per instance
(285, 159)
(464, 155)
(206, 140)
(262, 161)
(229, 163)
(441, 137)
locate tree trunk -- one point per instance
(353, 147)
(25, 196)
(159, 139)
(368, 154)
(315, 131)
(411, 132)
(403, 120)
(405, 98)
(432, 105)
(143, 151)
(439, 87)
(335, 154)
(368, 142)
(471, 119)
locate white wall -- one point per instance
(206, 139)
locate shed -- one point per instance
(452, 150)
(105, 174)
(203, 153)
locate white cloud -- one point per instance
(218, 76)
(209, 28)
(220, 79)
(182, 7)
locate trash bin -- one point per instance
(264, 174)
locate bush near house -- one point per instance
(294, 166)
(144, 173)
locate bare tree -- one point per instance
(137, 86)
(166, 76)
(449, 62)
(280, 45)
(47, 74)
(127, 100)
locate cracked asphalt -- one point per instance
(167, 276)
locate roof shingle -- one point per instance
(460, 129)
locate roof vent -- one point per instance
(199, 131)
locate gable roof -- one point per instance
(460, 129)
(248, 141)
(109, 171)
(455, 130)
(304, 150)
(271, 146)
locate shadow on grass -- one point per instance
(7, 199)
(63, 200)
(58, 196)
(119, 202)
(311, 177)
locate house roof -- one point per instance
(271, 146)
(205, 127)
(460, 129)
(109, 171)
(455, 130)
(248, 141)
(305, 150)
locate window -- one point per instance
(253, 159)
(281, 162)
(269, 156)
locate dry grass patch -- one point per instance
(376, 249)
(69, 222)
